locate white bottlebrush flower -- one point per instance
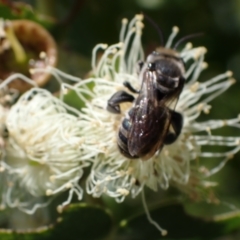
(7, 98)
(117, 176)
(45, 152)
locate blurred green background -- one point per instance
(78, 25)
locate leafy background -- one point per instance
(78, 25)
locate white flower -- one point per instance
(176, 164)
(45, 152)
(7, 98)
(117, 176)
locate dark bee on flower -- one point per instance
(152, 122)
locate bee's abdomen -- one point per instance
(123, 138)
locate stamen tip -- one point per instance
(232, 80)
(164, 232)
(140, 25)
(139, 17)
(189, 46)
(204, 65)
(48, 192)
(104, 46)
(60, 209)
(204, 50)
(124, 21)
(175, 29)
(229, 73)
(120, 44)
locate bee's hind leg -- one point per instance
(175, 125)
(117, 98)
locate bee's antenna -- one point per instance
(156, 27)
(186, 38)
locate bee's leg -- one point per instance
(130, 87)
(116, 99)
(176, 125)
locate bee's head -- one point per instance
(167, 67)
(165, 63)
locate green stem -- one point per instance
(19, 52)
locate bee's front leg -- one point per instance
(176, 124)
(117, 98)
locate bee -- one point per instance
(152, 122)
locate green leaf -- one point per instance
(82, 221)
(179, 225)
(36, 234)
(23, 11)
(72, 99)
(78, 221)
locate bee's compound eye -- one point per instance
(151, 66)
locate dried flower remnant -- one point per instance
(45, 152)
(25, 44)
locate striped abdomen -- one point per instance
(123, 138)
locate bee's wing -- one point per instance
(150, 120)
